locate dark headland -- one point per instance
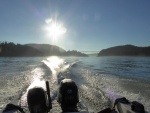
(34, 50)
(125, 50)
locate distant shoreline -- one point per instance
(35, 50)
(126, 50)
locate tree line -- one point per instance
(10, 49)
(125, 50)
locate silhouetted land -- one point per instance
(125, 50)
(31, 50)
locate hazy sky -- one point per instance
(90, 24)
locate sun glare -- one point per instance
(54, 29)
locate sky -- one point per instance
(88, 25)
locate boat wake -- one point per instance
(96, 87)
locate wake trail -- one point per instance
(92, 95)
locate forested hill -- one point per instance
(31, 50)
(125, 50)
(47, 50)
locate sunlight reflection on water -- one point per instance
(55, 64)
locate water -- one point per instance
(98, 78)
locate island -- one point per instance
(125, 50)
(9, 49)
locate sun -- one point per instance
(54, 29)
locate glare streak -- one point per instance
(54, 29)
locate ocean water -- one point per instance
(98, 78)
